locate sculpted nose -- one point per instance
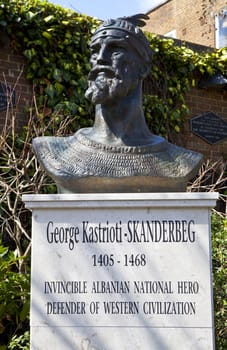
(103, 57)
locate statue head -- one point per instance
(120, 59)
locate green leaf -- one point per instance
(48, 18)
(47, 35)
(57, 74)
(3, 347)
(30, 53)
(3, 251)
(50, 90)
(59, 87)
(30, 15)
(177, 129)
(25, 311)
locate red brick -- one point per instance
(187, 18)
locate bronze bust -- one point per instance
(119, 153)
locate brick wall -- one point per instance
(194, 21)
(12, 75)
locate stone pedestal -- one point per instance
(121, 271)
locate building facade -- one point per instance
(203, 22)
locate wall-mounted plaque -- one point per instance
(210, 127)
(7, 97)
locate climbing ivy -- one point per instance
(169, 79)
(174, 71)
(54, 42)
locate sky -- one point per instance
(104, 9)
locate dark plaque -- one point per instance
(210, 127)
(7, 97)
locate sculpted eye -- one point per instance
(118, 50)
(116, 53)
(93, 52)
(94, 49)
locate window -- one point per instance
(171, 34)
(221, 29)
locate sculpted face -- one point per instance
(115, 72)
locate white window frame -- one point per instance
(171, 34)
(217, 27)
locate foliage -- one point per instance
(166, 85)
(219, 241)
(54, 42)
(14, 297)
(19, 174)
(174, 70)
(212, 177)
(21, 342)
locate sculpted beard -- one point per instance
(103, 86)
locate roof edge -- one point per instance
(155, 7)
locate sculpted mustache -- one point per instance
(94, 72)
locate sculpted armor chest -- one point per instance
(78, 164)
